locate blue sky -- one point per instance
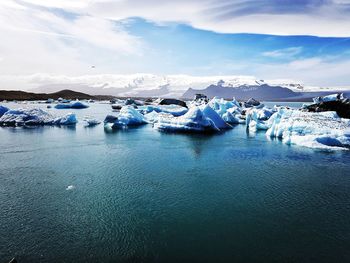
(307, 41)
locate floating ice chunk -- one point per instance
(70, 187)
(231, 119)
(69, 119)
(3, 109)
(215, 117)
(316, 130)
(128, 116)
(155, 116)
(90, 122)
(74, 105)
(193, 121)
(171, 109)
(20, 117)
(253, 122)
(332, 97)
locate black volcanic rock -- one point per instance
(173, 101)
(342, 107)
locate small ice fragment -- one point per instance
(70, 187)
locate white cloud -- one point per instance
(313, 17)
(283, 53)
(37, 40)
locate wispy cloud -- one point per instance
(283, 53)
(308, 17)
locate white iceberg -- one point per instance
(193, 121)
(128, 116)
(174, 110)
(34, 117)
(154, 116)
(332, 97)
(215, 117)
(323, 130)
(69, 119)
(74, 105)
(90, 122)
(20, 117)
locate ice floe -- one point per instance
(128, 116)
(3, 109)
(73, 105)
(193, 121)
(90, 121)
(323, 130)
(33, 117)
(171, 109)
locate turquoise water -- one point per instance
(144, 196)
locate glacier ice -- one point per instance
(128, 116)
(332, 97)
(90, 122)
(35, 116)
(171, 109)
(323, 130)
(229, 111)
(215, 117)
(73, 105)
(20, 117)
(193, 121)
(69, 119)
(3, 109)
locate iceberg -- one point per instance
(33, 117)
(323, 130)
(229, 111)
(20, 117)
(154, 116)
(193, 121)
(90, 122)
(171, 109)
(3, 109)
(253, 122)
(69, 119)
(332, 97)
(74, 105)
(215, 117)
(128, 116)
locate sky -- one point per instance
(306, 41)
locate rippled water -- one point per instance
(138, 195)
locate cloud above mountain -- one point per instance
(282, 17)
(75, 39)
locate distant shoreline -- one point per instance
(11, 95)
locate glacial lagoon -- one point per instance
(138, 195)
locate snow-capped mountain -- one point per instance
(146, 85)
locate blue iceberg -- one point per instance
(69, 119)
(324, 130)
(74, 105)
(193, 121)
(215, 117)
(34, 117)
(3, 109)
(128, 116)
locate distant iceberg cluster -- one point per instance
(318, 125)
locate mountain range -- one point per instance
(179, 86)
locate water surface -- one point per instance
(144, 196)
